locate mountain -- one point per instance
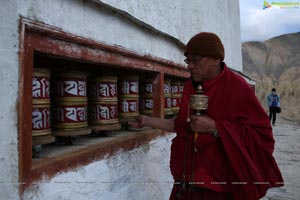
(275, 63)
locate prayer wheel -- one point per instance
(70, 104)
(146, 100)
(167, 94)
(103, 88)
(41, 119)
(128, 97)
(103, 112)
(175, 96)
(146, 105)
(70, 86)
(103, 103)
(70, 115)
(41, 86)
(128, 108)
(168, 106)
(41, 107)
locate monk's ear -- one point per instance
(217, 62)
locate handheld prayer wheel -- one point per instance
(199, 103)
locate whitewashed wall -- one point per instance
(182, 19)
(177, 19)
(141, 173)
(9, 67)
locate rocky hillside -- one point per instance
(276, 63)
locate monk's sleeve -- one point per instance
(249, 144)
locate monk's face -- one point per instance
(203, 68)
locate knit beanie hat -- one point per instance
(205, 44)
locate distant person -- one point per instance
(231, 159)
(274, 105)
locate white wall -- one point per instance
(182, 19)
(8, 101)
(141, 173)
(94, 19)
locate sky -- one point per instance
(258, 24)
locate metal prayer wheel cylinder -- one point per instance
(128, 90)
(70, 86)
(129, 86)
(103, 100)
(175, 105)
(41, 86)
(128, 108)
(168, 106)
(146, 105)
(198, 101)
(103, 88)
(146, 100)
(41, 107)
(167, 88)
(176, 95)
(146, 88)
(103, 112)
(167, 95)
(70, 115)
(41, 124)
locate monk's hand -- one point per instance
(139, 122)
(202, 124)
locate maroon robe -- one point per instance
(240, 161)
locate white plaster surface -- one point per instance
(8, 100)
(141, 173)
(182, 19)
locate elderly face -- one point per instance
(203, 68)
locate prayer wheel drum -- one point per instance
(41, 107)
(176, 94)
(103, 103)
(70, 87)
(103, 112)
(128, 97)
(41, 124)
(103, 88)
(41, 86)
(146, 100)
(128, 108)
(167, 95)
(70, 104)
(70, 115)
(146, 106)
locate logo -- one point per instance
(285, 4)
(266, 5)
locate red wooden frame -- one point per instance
(38, 37)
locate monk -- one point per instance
(231, 157)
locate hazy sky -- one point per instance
(258, 24)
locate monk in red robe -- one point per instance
(231, 157)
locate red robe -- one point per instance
(240, 161)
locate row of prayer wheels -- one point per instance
(68, 103)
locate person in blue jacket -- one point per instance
(274, 105)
